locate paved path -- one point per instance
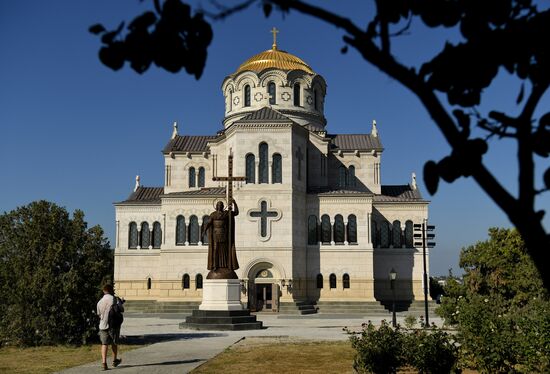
(175, 350)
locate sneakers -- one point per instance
(116, 362)
(104, 366)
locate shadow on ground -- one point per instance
(165, 363)
(158, 338)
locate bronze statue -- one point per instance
(222, 255)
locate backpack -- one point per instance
(115, 318)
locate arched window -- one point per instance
(384, 234)
(250, 168)
(230, 96)
(345, 280)
(409, 234)
(247, 95)
(145, 236)
(193, 230)
(133, 236)
(180, 230)
(198, 281)
(191, 177)
(325, 229)
(319, 280)
(351, 176)
(205, 220)
(396, 234)
(342, 176)
(263, 168)
(157, 235)
(312, 237)
(352, 229)
(316, 99)
(149, 283)
(185, 281)
(332, 280)
(339, 235)
(276, 169)
(201, 177)
(374, 234)
(272, 91)
(297, 91)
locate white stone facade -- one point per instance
(328, 215)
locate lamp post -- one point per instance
(393, 276)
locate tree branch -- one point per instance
(525, 148)
(525, 219)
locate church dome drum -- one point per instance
(277, 79)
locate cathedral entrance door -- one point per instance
(264, 297)
(263, 293)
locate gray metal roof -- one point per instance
(399, 193)
(351, 142)
(189, 143)
(265, 114)
(145, 195)
(205, 191)
(324, 191)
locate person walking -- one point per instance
(109, 335)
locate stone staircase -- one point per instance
(297, 307)
(375, 308)
(153, 306)
(371, 308)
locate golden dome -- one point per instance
(274, 58)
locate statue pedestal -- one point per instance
(221, 308)
(221, 294)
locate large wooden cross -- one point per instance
(229, 189)
(229, 179)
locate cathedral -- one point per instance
(315, 224)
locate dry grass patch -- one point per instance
(282, 356)
(41, 360)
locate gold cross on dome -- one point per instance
(274, 31)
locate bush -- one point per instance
(385, 349)
(502, 311)
(51, 271)
(379, 350)
(431, 351)
(410, 321)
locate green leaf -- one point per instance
(267, 7)
(431, 177)
(98, 28)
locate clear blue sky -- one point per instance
(76, 133)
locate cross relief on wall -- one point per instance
(264, 215)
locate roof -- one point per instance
(145, 195)
(398, 193)
(354, 142)
(205, 191)
(265, 114)
(326, 191)
(189, 143)
(274, 58)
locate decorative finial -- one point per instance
(413, 184)
(274, 31)
(374, 131)
(137, 183)
(175, 131)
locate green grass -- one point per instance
(292, 357)
(42, 360)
